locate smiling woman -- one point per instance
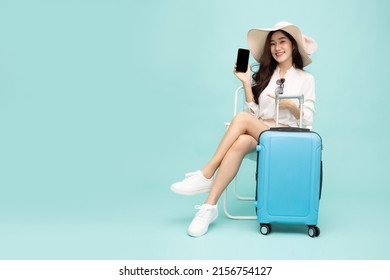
(282, 52)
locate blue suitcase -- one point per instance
(288, 178)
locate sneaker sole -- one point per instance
(203, 233)
(206, 190)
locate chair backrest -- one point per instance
(239, 90)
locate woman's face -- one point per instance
(281, 48)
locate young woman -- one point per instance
(282, 52)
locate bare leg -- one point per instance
(243, 123)
(229, 166)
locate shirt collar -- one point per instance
(289, 70)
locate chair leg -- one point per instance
(236, 217)
(239, 197)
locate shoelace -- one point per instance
(189, 174)
(203, 211)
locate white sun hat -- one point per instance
(257, 37)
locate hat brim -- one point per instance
(257, 38)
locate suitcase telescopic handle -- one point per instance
(279, 97)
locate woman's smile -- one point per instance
(279, 54)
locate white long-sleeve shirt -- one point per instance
(297, 82)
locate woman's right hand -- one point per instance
(245, 78)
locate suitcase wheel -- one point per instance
(313, 231)
(265, 229)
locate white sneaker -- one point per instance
(193, 183)
(204, 217)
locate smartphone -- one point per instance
(242, 60)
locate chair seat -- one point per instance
(252, 156)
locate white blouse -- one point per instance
(297, 82)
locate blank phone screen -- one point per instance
(242, 60)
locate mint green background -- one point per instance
(104, 104)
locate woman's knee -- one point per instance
(242, 117)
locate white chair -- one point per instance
(252, 156)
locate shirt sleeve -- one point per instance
(308, 90)
(252, 108)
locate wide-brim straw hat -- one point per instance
(257, 37)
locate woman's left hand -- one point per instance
(289, 105)
(285, 103)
